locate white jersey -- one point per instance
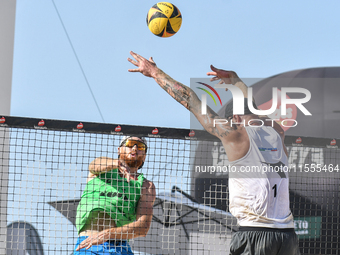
(259, 188)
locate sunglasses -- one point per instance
(130, 143)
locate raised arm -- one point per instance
(181, 93)
(104, 164)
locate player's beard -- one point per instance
(137, 162)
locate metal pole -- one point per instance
(7, 24)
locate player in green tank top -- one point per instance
(117, 202)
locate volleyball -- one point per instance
(164, 19)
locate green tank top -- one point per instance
(111, 193)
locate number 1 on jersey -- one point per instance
(275, 191)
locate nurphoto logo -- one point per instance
(238, 103)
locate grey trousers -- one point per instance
(264, 241)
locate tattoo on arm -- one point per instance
(178, 91)
(185, 96)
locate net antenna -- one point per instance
(78, 61)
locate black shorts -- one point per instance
(264, 241)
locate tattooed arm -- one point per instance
(182, 94)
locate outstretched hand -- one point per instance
(227, 77)
(146, 67)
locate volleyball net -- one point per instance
(44, 167)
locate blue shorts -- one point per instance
(107, 248)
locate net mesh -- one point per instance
(44, 172)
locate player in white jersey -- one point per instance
(258, 199)
(259, 194)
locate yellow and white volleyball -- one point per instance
(164, 19)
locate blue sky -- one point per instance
(257, 39)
